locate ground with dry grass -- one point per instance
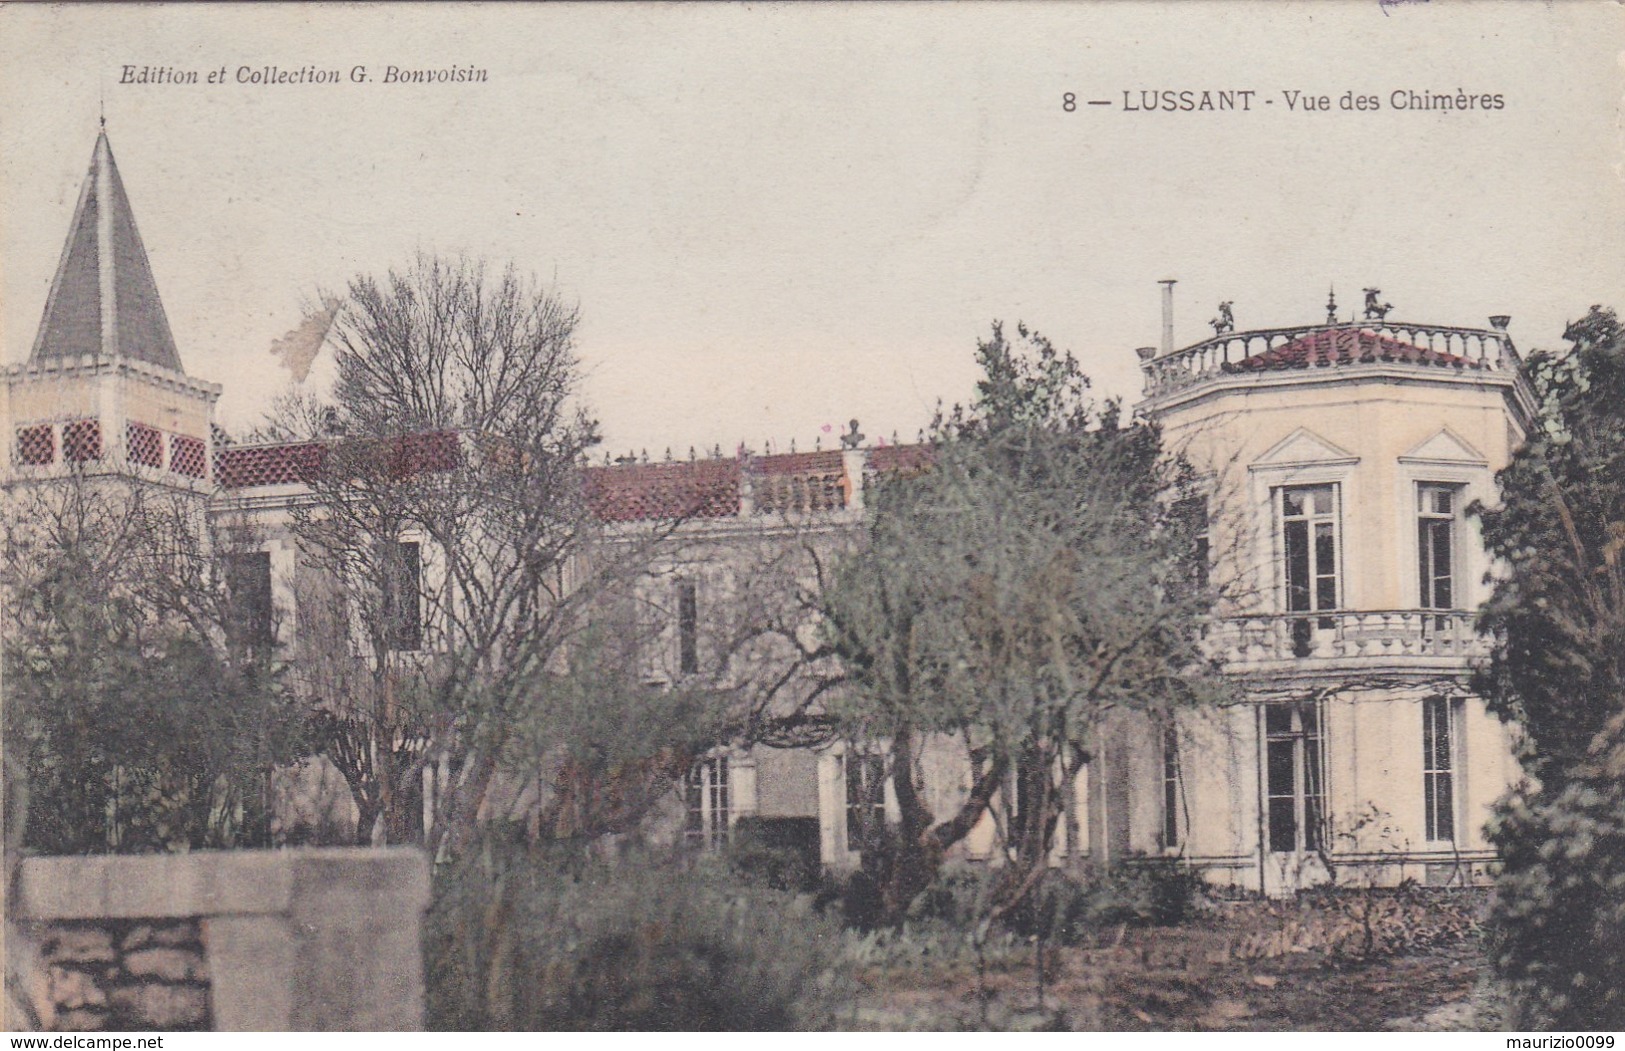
(1357, 961)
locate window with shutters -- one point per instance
(145, 445)
(188, 456)
(36, 445)
(1191, 514)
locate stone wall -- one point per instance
(125, 975)
(312, 939)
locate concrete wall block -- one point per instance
(360, 966)
(251, 967)
(368, 977)
(201, 884)
(155, 886)
(396, 875)
(63, 888)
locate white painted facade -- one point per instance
(1339, 461)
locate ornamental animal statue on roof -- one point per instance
(1373, 308)
(1225, 322)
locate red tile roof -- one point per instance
(779, 484)
(633, 492)
(799, 463)
(246, 466)
(1345, 346)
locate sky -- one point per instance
(776, 218)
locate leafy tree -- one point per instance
(1034, 579)
(1558, 924)
(1559, 611)
(138, 711)
(1558, 615)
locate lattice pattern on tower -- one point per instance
(188, 456)
(36, 445)
(145, 444)
(82, 441)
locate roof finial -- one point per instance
(1331, 305)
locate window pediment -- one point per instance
(1303, 447)
(1446, 447)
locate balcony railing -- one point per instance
(1375, 635)
(1319, 346)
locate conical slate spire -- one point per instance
(103, 299)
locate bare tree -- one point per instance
(457, 566)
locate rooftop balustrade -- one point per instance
(1346, 344)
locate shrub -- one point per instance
(1558, 922)
(523, 940)
(779, 853)
(1152, 892)
(959, 898)
(1065, 907)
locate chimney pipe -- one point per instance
(1167, 315)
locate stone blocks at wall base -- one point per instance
(317, 939)
(122, 975)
